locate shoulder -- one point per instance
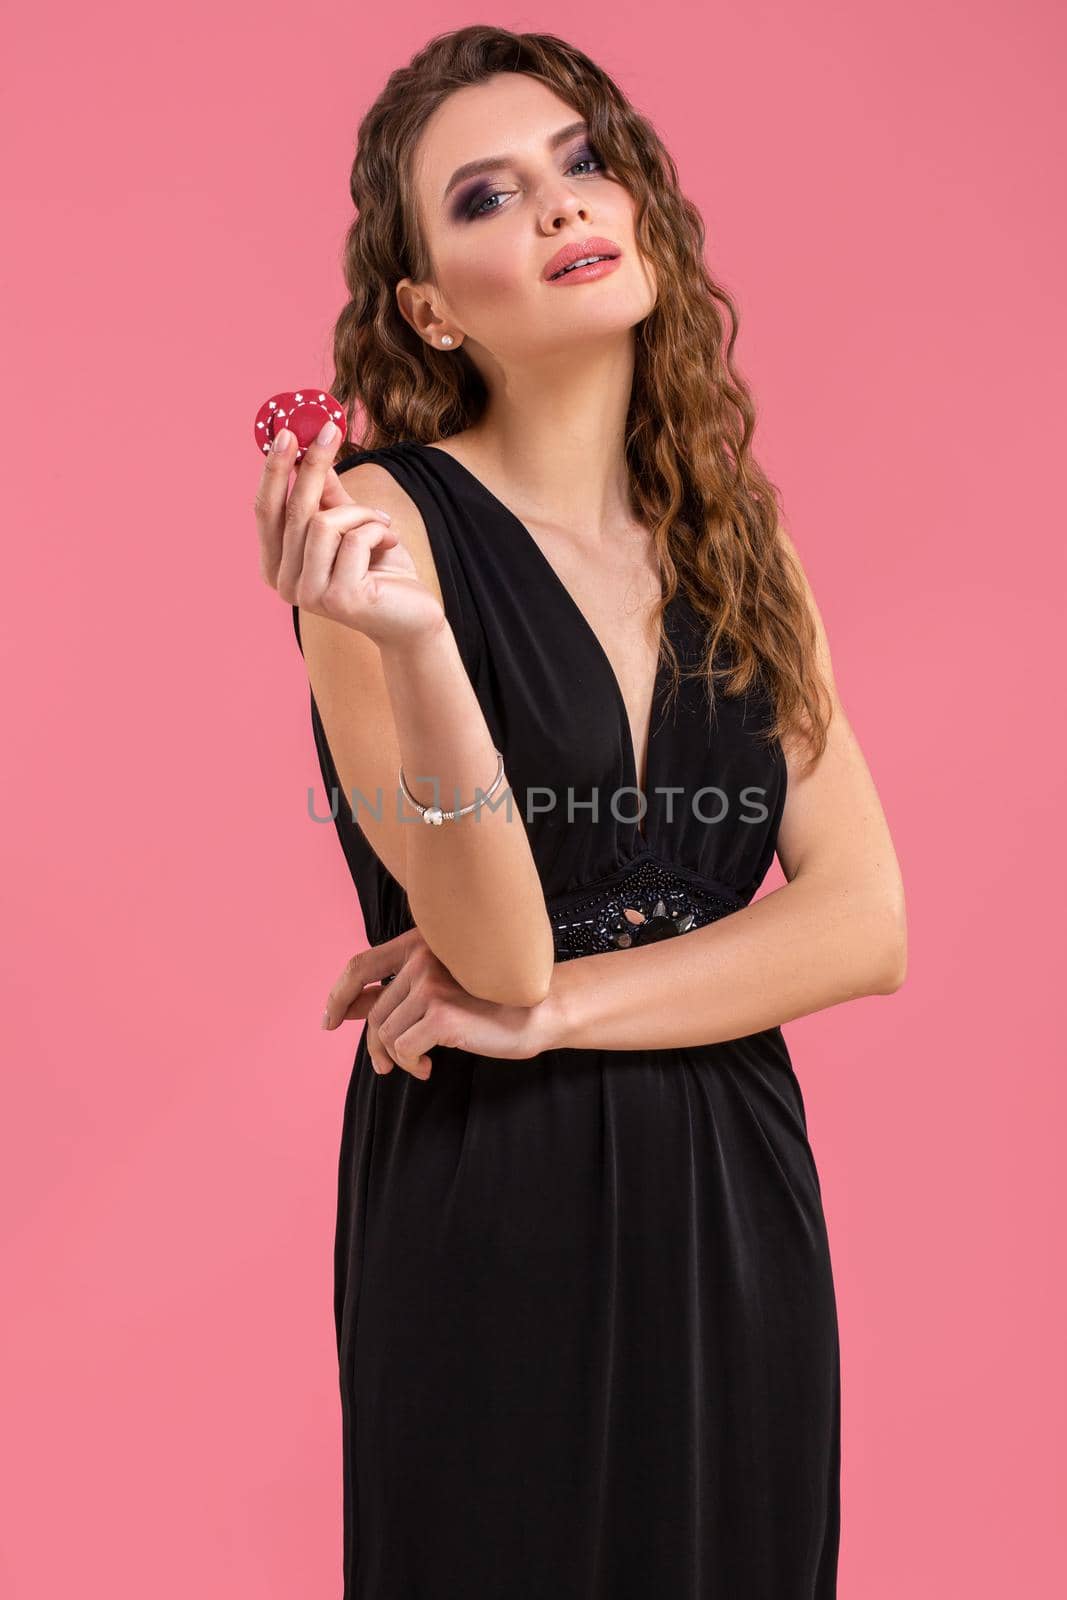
(822, 683)
(822, 643)
(371, 483)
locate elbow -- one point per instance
(491, 931)
(526, 982)
(894, 972)
(892, 945)
(538, 981)
(505, 966)
(526, 988)
(527, 995)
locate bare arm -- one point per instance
(472, 884)
(835, 931)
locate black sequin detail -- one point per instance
(592, 921)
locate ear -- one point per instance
(416, 307)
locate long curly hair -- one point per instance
(694, 482)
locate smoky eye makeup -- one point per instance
(467, 202)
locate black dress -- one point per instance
(585, 1313)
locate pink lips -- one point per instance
(577, 250)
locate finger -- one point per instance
(360, 1007)
(414, 1041)
(394, 1011)
(386, 959)
(383, 1061)
(377, 962)
(352, 578)
(352, 530)
(396, 1020)
(302, 503)
(355, 981)
(380, 1058)
(383, 1054)
(306, 495)
(270, 507)
(357, 1010)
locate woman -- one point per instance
(585, 1310)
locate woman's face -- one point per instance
(491, 233)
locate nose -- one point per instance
(561, 207)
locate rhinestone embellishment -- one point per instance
(649, 902)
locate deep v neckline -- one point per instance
(630, 749)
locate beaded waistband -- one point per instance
(641, 904)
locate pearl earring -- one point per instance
(446, 338)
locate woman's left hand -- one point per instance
(423, 1006)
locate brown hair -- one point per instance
(694, 482)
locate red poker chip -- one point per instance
(303, 412)
(270, 417)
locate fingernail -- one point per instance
(326, 1018)
(281, 440)
(326, 434)
(383, 515)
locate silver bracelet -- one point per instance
(435, 815)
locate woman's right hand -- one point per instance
(323, 552)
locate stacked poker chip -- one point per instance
(303, 412)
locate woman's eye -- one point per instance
(480, 207)
(582, 160)
(475, 209)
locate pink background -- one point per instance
(880, 187)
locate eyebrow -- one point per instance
(493, 163)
